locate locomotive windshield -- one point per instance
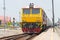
(35, 10)
(26, 11)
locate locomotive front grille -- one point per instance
(31, 25)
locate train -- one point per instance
(34, 19)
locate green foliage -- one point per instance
(9, 23)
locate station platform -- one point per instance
(10, 32)
(48, 35)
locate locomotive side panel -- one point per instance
(44, 18)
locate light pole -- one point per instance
(4, 12)
(53, 13)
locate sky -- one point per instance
(13, 7)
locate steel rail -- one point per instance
(13, 36)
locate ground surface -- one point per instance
(46, 35)
(9, 32)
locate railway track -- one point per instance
(19, 37)
(29, 37)
(13, 37)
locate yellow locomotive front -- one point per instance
(31, 19)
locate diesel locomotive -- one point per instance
(34, 19)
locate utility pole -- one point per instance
(4, 13)
(53, 13)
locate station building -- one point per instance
(7, 19)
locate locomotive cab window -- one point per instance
(35, 10)
(26, 11)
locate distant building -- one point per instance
(7, 19)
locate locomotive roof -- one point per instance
(33, 7)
